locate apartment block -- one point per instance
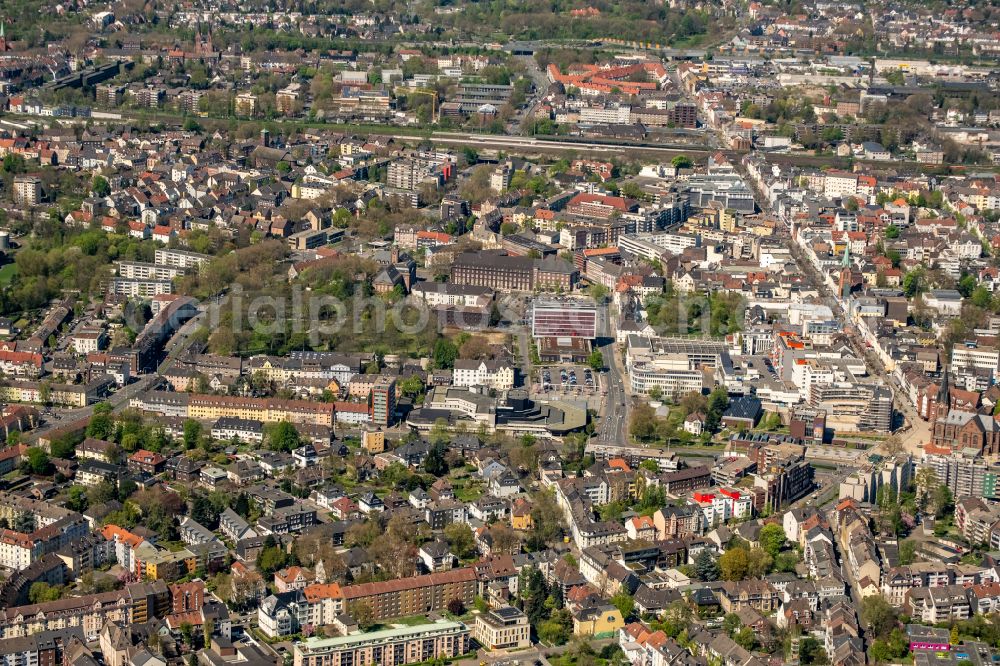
(418, 594)
(503, 628)
(388, 647)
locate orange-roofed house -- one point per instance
(125, 546)
(20, 364)
(78, 218)
(619, 464)
(138, 230)
(164, 234)
(640, 527)
(291, 579)
(146, 462)
(433, 239)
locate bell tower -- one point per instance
(846, 273)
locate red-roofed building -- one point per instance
(600, 206)
(164, 234)
(138, 230)
(291, 579)
(21, 364)
(147, 462)
(641, 527)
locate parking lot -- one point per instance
(575, 380)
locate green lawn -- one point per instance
(7, 274)
(468, 493)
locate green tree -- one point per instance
(38, 460)
(966, 285)
(759, 563)
(13, 163)
(643, 422)
(435, 462)
(445, 353)
(460, 540)
(624, 602)
(772, 538)
(411, 386)
(192, 432)
(832, 134)
(981, 297)
(270, 559)
(913, 283)
(682, 162)
(101, 426)
(746, 638)
(718, 402)
(650, 466)
(100, 187)
(282, 436)
(880, 652)
(892, 232)
(205, 511)
(878, 616)
(943, 501)
(786, 561)
(77, 498)
(706, 566)
(811, 652)
(653, 498)
(557, 629)
(907, 552)
(363, 614)
(733, 564)
(41, 592)
(596, 361)
(62, 447)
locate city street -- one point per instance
(914, 432)
(614, 422)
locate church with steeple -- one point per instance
(203, 43)
(942, 403)
(4, 44)
(959, 423)
(846, 281)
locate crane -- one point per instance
(434, 98)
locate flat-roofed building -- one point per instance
(564, 318)
(180, 258)
(388, 647)
(676, 366)
(503, 628)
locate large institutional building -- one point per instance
(389, 647)
(564, 318)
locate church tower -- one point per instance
(942, 404)
(4, 46)
(846, 274)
